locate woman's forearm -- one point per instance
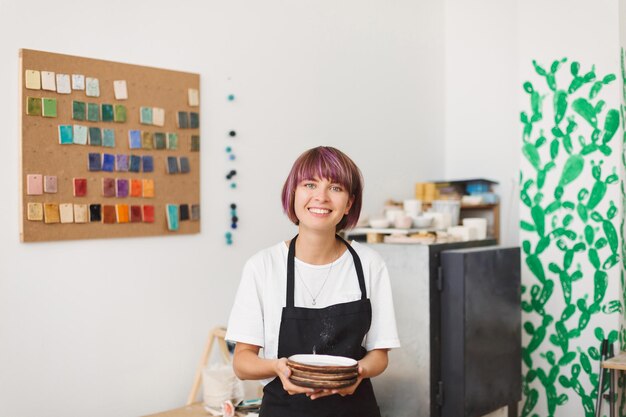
(374, 363)
(248, 365)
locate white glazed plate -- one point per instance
(322, 360)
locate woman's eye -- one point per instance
(336, 188)
(309, 185)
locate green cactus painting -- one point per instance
(572, 253)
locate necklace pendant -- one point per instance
(313, 302)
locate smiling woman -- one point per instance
(334, 298)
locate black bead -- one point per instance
(233, 206)
(232, 133)
(234, 219)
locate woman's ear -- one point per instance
(349, 205)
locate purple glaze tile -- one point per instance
(122, 187)
(121, 162)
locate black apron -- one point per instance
(335, 330)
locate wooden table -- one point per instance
(193, 410)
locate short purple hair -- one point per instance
(325, 162)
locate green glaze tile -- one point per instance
(108, 138)
(49, 107)
(78, 110)
(195, 143)
(95, 136)
(146, 140)
(33, 106)
(145, 115)
(93, 112)
(107, 113)
(172, 141)
(159, 140)
(119, 113)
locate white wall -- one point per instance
(482, 134)
(87, 329)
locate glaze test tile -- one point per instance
(119, 113)
(48, 81)
(194, 97)
(93, 112)
(194, 120)
(158, 116)
(134, 139)
(95, 136)
(120, 89)
(171, 213)
(63, 84)
(95, 213)
(34, 212)
(121, 162)
(184, 165)
(136, 190)
(182, 121)
(135, 214)
(66, 134)
(135, 163)
(122, 213)
(107, 113)
(80, 134)
(148, 163)
(172, 141)
(195, 212)
(159, 140)
(81, 213)
(148, 213)
(66, 212)
(33, 106)
(122, 187)
(51, 213)
(195, 143)
(50, 184)
(49, 107)
(184, 212)
(78, 82)
(145, 115)
(92, 87)
(108, 162)
(148, 188)
(80, 187)
(146, 140)
(108, 187)
(172, 165)
(79, 110)
(33, 79)
(94, 162)
(108, 138)
(108, 214)
(34, 184)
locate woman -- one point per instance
(332, 298)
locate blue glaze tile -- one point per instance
(184, 164)
(172, 165)
(108, 162)
(135, 163)
(134, 139)
(95, 162)
(66, 134)
(148, 163)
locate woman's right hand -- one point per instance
(283, 372)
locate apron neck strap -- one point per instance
(291, 256)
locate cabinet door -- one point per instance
(480, 330)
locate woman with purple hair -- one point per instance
(315, 293)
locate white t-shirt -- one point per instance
(256, 313)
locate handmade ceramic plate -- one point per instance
(323, 376)
(322, 363)
(312, 383)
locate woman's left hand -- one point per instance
(342, 391)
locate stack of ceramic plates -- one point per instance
(322, 371)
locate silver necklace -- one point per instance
(313, 299)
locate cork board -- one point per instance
(55, 145)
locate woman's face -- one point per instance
(321, 204)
